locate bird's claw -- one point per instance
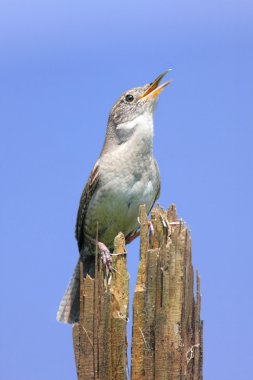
(105, 255)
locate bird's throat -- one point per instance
(138, 132)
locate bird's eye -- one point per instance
(129, 98)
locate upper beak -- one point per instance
(153, 90)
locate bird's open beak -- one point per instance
(153, 90)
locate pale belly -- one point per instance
(115, 207)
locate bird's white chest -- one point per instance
(115, 206)
(128, 178)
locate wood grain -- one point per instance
(167, 332)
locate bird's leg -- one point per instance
(105, 255)
(137, 233)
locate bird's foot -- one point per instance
(105, 255)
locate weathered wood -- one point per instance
(100, 341)
(167, 338)
(167, 333)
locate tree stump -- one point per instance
(167, 330)
(167, 334)
(100, 342)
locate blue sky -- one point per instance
(63, 65)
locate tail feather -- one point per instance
(68, 311)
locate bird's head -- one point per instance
(137, 101)
(132, 115)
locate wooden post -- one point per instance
(167, 330)
(167, 337)
(100, 342)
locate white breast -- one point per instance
(128, 178)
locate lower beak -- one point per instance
(153, 90)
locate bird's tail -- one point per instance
(69, 308)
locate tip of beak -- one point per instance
(160, 77)
(154, 89)
(164, 73)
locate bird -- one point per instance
(125, 176)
